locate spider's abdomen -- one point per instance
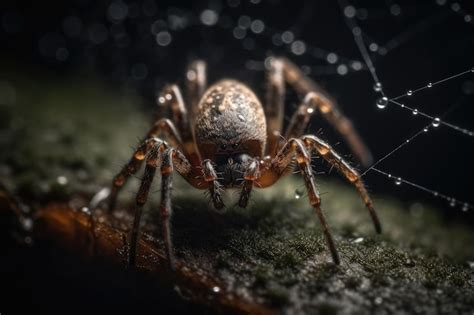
(230, 120)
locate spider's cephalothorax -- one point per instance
(225, 138)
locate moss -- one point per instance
(273, 252)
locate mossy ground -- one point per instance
(273, 251)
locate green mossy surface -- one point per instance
(272, 252)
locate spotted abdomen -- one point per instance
(230, 119)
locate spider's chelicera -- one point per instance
(225, 138)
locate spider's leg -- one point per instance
(162, 126)
(141, 198)
(296, 148)
(328, 153)
(275, 105)
(165, 204)
(129, 169)
(210, 177)
(196, 84)
(317, 98)
(172, 98)
(251, 174)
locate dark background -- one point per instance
(433, 41)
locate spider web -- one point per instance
(401, 71)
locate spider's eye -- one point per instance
(223, 146)
(235, 146)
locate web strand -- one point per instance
(430, 85)
(452, 201)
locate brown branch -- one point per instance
(76, 232)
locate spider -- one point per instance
(225, 138)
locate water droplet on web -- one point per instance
(415, 111)
(398, 181)
(298, 193)
(377, 87)
(465, 207)
(425, 129)
(435, 194)
(86, 210)
(382, 102)
(436, 122)
(409, 92)
(452, 203)
(429, 85)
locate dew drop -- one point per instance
(86, 210)
(435, 194)
(415, 111)
(452, 203)
(310, 110)
(298, 193)
(398, 181)
(377, 87)
(465, 207)
(472, 69)
(436, 122)
(409, 92)
(429, 85)
(425, 129)
(382, 102)
(358, 240)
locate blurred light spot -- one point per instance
(331, 58)
(163, 38)
(298, 47)
(257, 26)
(373, 47)
(239, 32)
(117, 11)
(176, 22)
(395, 10)
(342, 69)
(72, 26)
(61, 180)
(244, 21)
(255, 1)
(349, 11)
(209, 17)
(287, 37)
(356, 65)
